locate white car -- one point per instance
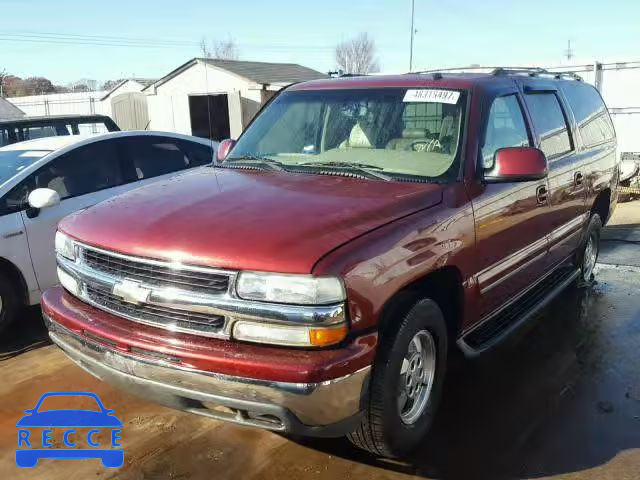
(44, 180)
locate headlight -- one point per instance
(292, 289)
(65, 246)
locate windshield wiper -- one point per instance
(253, 161)
(358, 167)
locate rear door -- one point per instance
(511, 218)
(552, 126)
(596, 138)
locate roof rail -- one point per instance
(535, 72)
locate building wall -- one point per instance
(63, 104)
(169, 106)
(127, 87)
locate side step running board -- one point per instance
(497, 328)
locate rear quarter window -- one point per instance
(590, 112)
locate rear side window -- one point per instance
(592, 117)
(505, 128)
(197, 153)
(154, 156)
(549, 123)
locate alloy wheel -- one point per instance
(590, 257)
(417, 374)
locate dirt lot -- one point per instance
(561, 401)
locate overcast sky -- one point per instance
(65, 40)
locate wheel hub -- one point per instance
(416, 376)
(590, 257)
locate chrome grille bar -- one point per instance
(155, 274)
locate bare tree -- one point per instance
(3, 75)
(226, 49)
(222, 49)
(357, 55)
(204, 48)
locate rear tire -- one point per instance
(9, 303)
(406, 384)
(590, 249)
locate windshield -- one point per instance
(13, 161)
(62, 402)
(396, 132)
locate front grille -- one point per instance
(163, 317)
(156, 274)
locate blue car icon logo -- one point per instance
(34, 445)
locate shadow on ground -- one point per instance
(27, 333)
(562, 397)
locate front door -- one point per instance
(82, 178)
(510, 218)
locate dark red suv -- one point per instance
(318, 278)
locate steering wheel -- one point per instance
(420, 146)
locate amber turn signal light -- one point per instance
(321, 337)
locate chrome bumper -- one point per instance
(330, 408)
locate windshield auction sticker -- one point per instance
(432, 95)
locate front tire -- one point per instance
(9, 304)
(406, 384)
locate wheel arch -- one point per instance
(602, 205)
(443, 286)
(13, 273)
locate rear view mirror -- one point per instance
(517, 164)
(43, 198)
(224, 148)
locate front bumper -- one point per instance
(329, 408)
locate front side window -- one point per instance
(549, 123)
(396, 132)
(505, 128)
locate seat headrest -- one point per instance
(358, 138)
(414, 133)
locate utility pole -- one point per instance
(569, 53)
(413, 11)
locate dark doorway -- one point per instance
(209, 116)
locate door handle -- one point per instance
(17, 233)
(578, 178)
(542, 194)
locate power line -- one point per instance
(105, 41)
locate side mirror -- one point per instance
(517, 164)
(224, 148)
(42, 198)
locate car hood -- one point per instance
(251, 220)
(69, 418)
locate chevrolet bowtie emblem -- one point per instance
(131, 292)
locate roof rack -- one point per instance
(534, 72)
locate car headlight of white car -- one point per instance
(65, 246)
(290, 289)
